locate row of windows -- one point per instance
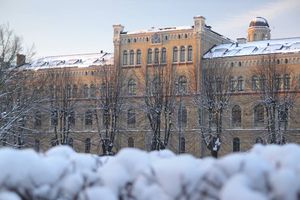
(165, 38)
(160, 55)
(280, 82)
(236, 143)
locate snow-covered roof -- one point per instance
(155, 29)
(76, 60)
(286, 45)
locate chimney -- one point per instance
(21, 59)
(241, 40)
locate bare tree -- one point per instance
(212, 100)
(159, 98)
(108, 106)
(277, 92)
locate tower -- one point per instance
(117, 42)
(258, 30)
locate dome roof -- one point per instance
(259, 21)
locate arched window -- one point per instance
(131, 57)
(37, 145)
(85, 91)
(182, 116)
(175, 54)
(87, 145)
(4, 141)
(182, 145)
(259, 140)
(240, 85)
(138, 57)
(51, 91)
(68, 91)
(74, 91)
(190, 53)
(37, 119)
(182, 54)
(236, 116)
(72, 117)
(155, 86)
(92, 90)
(130, 142)
(163, 55)
(149, 56)
(232, 84)
(131, 87)
(71, 142)
(131, 118)
(88, 118)
(286, 81)
(124, 57)
(262, 83)
(254, 83)
(54, 118)
(236, 144)
(182, 85)
(156, 55)
(259, 115)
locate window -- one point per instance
(92, 90)
(259, 115)
(88, 118)
(232, 84)
(236, 116)
(218, 85)
(85, 91)
(130, 142)
(74, 91)
(87, 145)
(254, 83)
(236, 144)
(263, 82)
(131, 87)
(72, 118)
(37, 145)
(286, 81)
(163, 55)
(131, 57)
(68, 91)
(70, 142)
(182, 85)
(138, 57)
(37, 119)
(182, 54)
(182, 145)
(190, 53)
(156, 56)
(283, 115)
(175, 54)
(125, 57)
(51, 91)
(149, 56)
(277, 82)
(54, 118)
(259, 140)
(4, 141)
(182, 116)
(155, 86)
(240, 84)
(131, 118)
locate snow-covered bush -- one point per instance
(266, 172)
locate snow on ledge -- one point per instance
(265, 172)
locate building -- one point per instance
(183, 52)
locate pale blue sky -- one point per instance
(85, 26)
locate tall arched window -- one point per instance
(259, 140)
(72, 117)
(236, 144)
(262, 82)
(85, 91)
(286, 81)
(190, 53)
(149, 56)
(88, 118)
(131, 118)
(156, 55)
(37, 145)
(138, 57)
(131, 57)
(236, 116)
(175, 54)
(259, 115)
(254, 83)
(182, 145)
(130, 142)
(125, 57)
(240, 85)
(92, 90)
(182, 116)
(131, 87)
(163, 55)
(182, 85)
(37, 119)
(182, 54)
(54, 118)
(74, 91)
(232, 84)
(87, 145)
(70, 142)
(68, 91)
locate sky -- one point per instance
(63, 27)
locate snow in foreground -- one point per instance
(266, 172)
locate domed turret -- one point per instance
(258, 30)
